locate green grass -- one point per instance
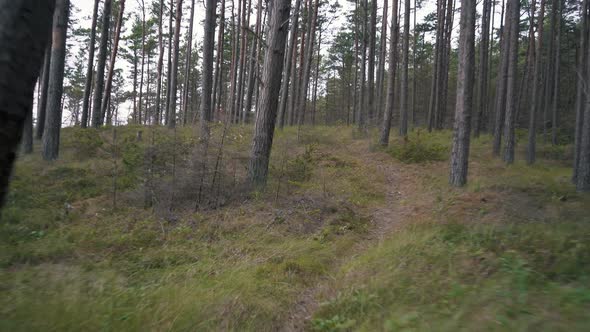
(69, 262)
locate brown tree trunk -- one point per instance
(89, 70)
(207, 75)
(188, 63)
(115, 49)
(501, 81)
(309, 50)
(464, 105)
(218, 82)
(511, 81)
(556, 74)
(536, 89)
(100, 67)
(158, 110)
(174, 69)
(582, 75)
(403, 126)
(252, 71)
(381, 64)
(44, 82)
(267, 105)
(389, 105)
(484, 46)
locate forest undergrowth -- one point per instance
(353, 236)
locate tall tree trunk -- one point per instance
(309, 50)
(291, 49)
(252, 71)
(90, 69)
(243, 51)
(403, 126)
(100, 67)
(115, 49)
(160, 65)
(141, 77)
(512, 81)
(24, 26)
(556, 74)
(464, 105)
(532, 135)
(390, 103)
(235, 61)
(414, 70)
(482, 86)
(207, 75)
(582, 79)
(442, 106)
(363, 107)
(271, 82)
(316, 79)
(170, 52)
(217, 84)
(501, 83)
(56, 81)
(550, 70)
(174, 69)
(293, 88)
(381, 64)
(42, 106)
(188, 63)
(583, 173)
(371, 60)
(436, 68)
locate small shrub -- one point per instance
(416, 150)
(300, 169)
(86, 142)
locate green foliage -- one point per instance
(85, 142)
(300, 169)
(418, 149)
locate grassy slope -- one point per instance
(509, 252)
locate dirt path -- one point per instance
(386, 219)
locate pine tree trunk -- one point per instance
(371, 60)
(109, 81)
(556, 74)
(89, 70)
(464, 105)
(501, 83)
(252, 71)
(42, 106)
(271, 82)
(309, 50)
(363, 100)
(188, 63)
(169, 71)
(403, 127)
(160, 65)
(100, 67)
(207, 74)
(141, 77)
(56, 81)
(217, 84)
(381, 64)
(24, 26)
(512, 81)
(389, 105)
(536, 89)
(482, 86)
(174, 68)
(582, 71)
(583, 174)
(436, 68)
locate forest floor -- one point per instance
(346, 236)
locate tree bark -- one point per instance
(188, 63)
(381, 64)
(160, 65)
(174, 68)
(100, 67)
(532, 135)
(582, 80)
(583, 173)
(115, 48)
(389, 105)
(512, 81)
(56, 81)
(371, 60)
(501, 83)
(207, 75)
(42, 107)
(556, 74)
(403, 126)
(309, 50)
(252, 71)
(464, 105)
(217, 84)
(271, 82)
(482, 86)
(90, 69)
